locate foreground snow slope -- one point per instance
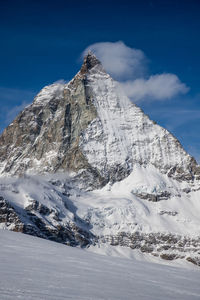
(33, 268)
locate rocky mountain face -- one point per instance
(45, 137)
(89, 124)
(101, 146)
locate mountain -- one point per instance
(83, 165)
(89, 124)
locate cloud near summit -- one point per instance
(130, 66)
(156, 87)
(120, 61)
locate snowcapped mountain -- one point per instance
(89, 124)
(83, 165)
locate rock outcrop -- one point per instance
(38, 220)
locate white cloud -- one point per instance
(12, 102)
(157, 87)
(119, 60)
(14, 111)
(60, 81)
(13, 95)
(129, 67)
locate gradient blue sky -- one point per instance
(42, 41)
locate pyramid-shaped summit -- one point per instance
(89, 127)
(90, 61)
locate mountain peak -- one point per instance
(90, 61)
(89, 124)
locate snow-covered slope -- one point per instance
(121, 214)
(32, 268)
(108, 174)
(122, 136)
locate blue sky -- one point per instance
(42, 42)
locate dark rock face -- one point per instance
(194, 260)
(90, 61)
(69, 234)
(36, 206)
(154, 197)
(45, 136)
(9, 217)
(163, 245)
(32, 221)
(169, 213)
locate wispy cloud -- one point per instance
(12, 102)
(176, 117)
(156, 87)
(60, 81)
(13, 95)
(119, 60)
(14, 111)
(130, 67)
